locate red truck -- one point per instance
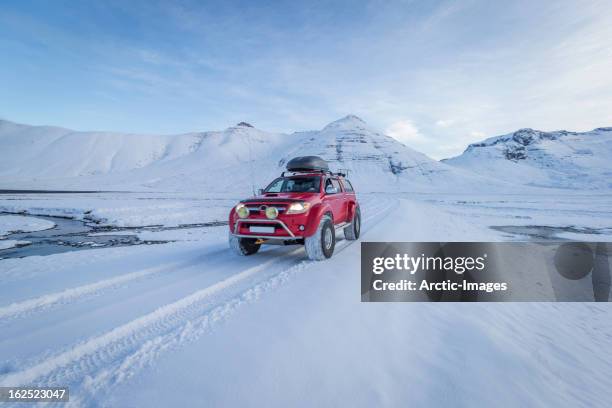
(304, 206)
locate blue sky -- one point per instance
(435, 74)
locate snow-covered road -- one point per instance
(91, 330)
(132, 326)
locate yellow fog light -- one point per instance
(242, 211)
(271, 212)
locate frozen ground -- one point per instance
(123, 209)
(187, 323)
(13, 223)
(12, 243)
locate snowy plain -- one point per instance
(187, 323)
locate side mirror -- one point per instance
(331, 190)
(259, 191)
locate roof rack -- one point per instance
(305, 171)
(296, 172)
(343, 172)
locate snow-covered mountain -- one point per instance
(46, 152)
(236, 159)
(52, 157)
(242, 158)
(552, 159)
(377, 162)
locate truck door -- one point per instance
(333, 196)
(349, 198)
(341, 201)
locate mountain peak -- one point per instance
(349, 121)
(352, 118)
(241, 127)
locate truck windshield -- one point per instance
(294, 185)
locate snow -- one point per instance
(189, 323)
(200, 162)
(11, 243)
(124, 209)
(121, 325)
(558, 159)
(16, 223)
(314, 344)
(33, 157)
(33, 151)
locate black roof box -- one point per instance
(307, 163)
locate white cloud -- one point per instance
(477, 135)
(406, 132)
(445, 123)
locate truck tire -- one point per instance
(352, 232)
(243, 246)
(320, 245)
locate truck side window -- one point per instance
(348, 187)
(336, 184)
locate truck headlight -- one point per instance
(271, 212)
(298, 208)
(242, 211)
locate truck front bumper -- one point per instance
(236, 230)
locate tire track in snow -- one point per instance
(67, 296)
(98, 349)
(106, 360)
(192, 330)
(72, 294)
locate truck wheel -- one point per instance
(320, 245)
(243, 246)
(352, 232)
